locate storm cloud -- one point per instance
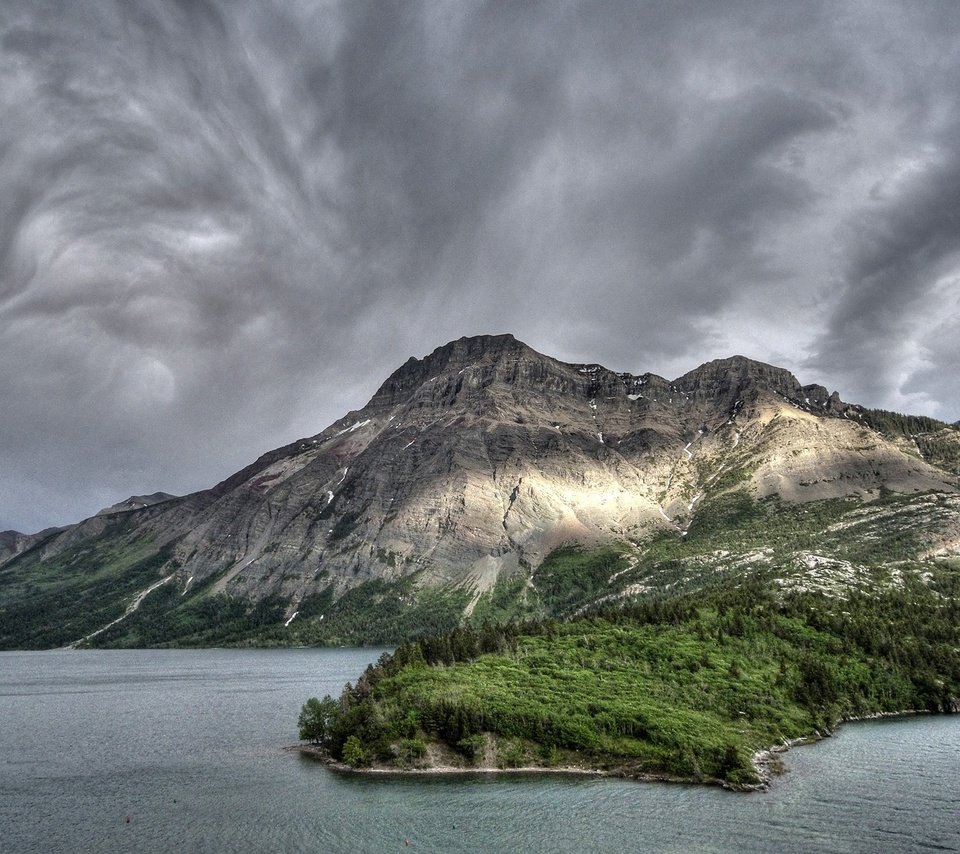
(223, 224)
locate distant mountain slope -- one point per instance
(13, 542)
(449, 489)
(136, 502)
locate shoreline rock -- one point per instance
(767, 763)
(318, 754)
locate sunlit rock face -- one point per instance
(479, 459)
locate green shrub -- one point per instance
(410, 750)
(472, 746)
(512, 753)
(354, 754)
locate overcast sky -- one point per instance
(222, 225)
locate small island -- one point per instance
(704, 687)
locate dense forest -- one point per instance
(688, 688)
(936, 441)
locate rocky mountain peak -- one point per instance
(740, 378)
(486, 351)
(738, 373)
(491, 374)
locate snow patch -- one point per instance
(292, 618)
(356, 426)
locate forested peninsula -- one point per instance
(695, 688)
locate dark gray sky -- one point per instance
(223, 224)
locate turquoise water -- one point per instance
(183, 751)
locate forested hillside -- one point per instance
(689, 688)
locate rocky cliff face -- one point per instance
(472, 464)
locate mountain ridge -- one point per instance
(469, 467)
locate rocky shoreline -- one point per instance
(319, 754)
(767, 763)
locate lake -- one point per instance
(182, 750)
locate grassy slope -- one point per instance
(829, 545)
(689, 688)
(53, 602)
(375, 613)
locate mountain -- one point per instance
(471, 485)
(13, 542)
(136, 502)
